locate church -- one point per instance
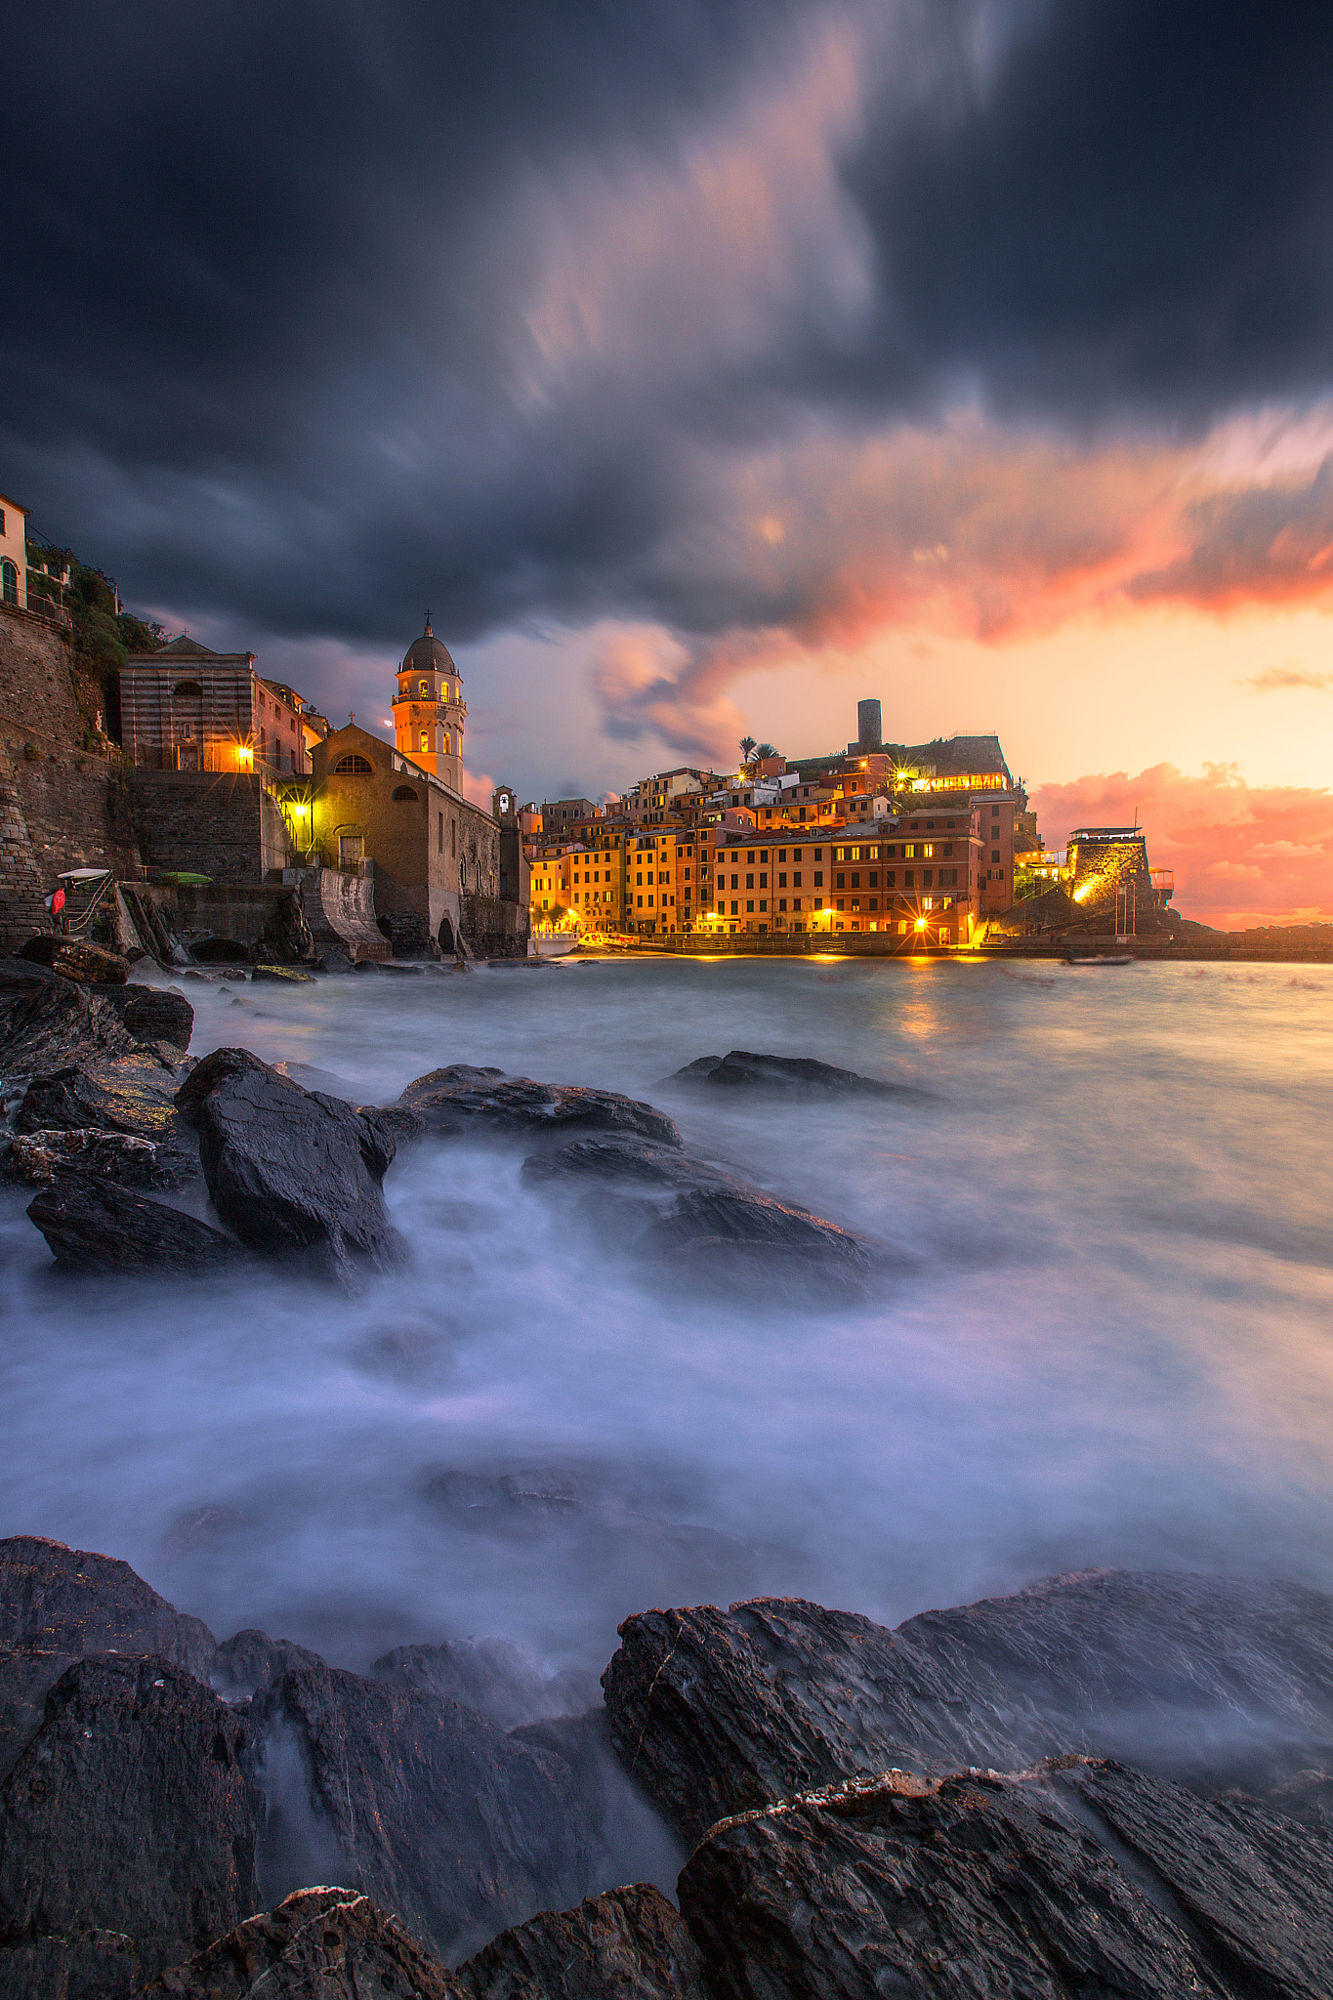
(445, 873)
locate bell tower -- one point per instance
(429, 712)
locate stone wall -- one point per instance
(63, 799)
(213, 823)
(494, 927)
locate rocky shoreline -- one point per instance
(1109, 1784)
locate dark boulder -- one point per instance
(159, 1014)
(127, 1832)
(689, 1219)
(296, 1174)
(462, 1100)
(98, 1226)
(320, 1944)
(503, 1681)
(77, 959)
(132, 1093)
(1071, 1881)
(37, 1158)
(287, 935)
(46, 1021)
(1212, 1679)
(742, 1069)
(628, 1944)
(250, 1661)
(421, 1804)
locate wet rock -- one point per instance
(250, 1661)
(296, 1174)
(689, 1218)
(1214, 1679)
(503, 1681)
(127, 1831)
(77, 959)
(132, 1093)
(1073, 1880)
(311, 1077)
(742, 1069)
(281, 975)
(78, 1602)
(155, 1014)
(629, 1944)
(36, 1158)
(462, 1100)
(46, 1021)
(96, 1226)
(320, 1944)
(421, 1804)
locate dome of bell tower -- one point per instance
(428, 655)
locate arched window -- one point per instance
(188, 691)
(9, 582)
(425, 740)
(423, 689)
(446, 742)
(404, 792)
(352, 767)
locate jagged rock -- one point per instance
(36, 1158)
(155, 1014)
(628, 1944)
(78, 1602)
(1073, 1880)
(687, 1217)
(287, 935)
(132, 1093)
(250, 1661)
(98, 1226)
(311, 1077)
(127, 1831)
(421, 1804)
(742, 1069)
(281, 975)
(461, 1099)
(46, 1021)
(77, 959)
(320, 1944)
(504, 1681)
(1216, 1679)
(296, 1174)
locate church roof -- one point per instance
(184, 647)
(428, 655)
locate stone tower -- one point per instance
(429, 711)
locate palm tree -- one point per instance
(762, 750)
(747, 750)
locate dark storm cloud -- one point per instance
(278, 337)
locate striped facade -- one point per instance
(186, 708)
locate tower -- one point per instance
(429, 711)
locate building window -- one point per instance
(188, 691)
(352, 767)
(9, 582)
(404, 792)
(425, 740)
(423, 689)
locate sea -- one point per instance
(1105, 1335)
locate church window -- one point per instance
(404, 792)
(188, 690)
(446, 743)
(352, 767)
(439, 833)
(453, 838)
(425, 740)
(423, 689)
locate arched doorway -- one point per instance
(446, 936)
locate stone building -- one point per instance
(187, 708)
(429, 713)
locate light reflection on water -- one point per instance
(1114, 1345)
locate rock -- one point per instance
(421, 1804)
(97, 1226)
(744, 1070)
(463, 1100)
(629, 1944)
(127, 1831)
(1073, 1880)
(688, 1218)
(283, 975)
(1210, 1678)
(296, 1174)
(503, 1681)
(287, 935)
(132, 1093)
(72, 1600)
(77, 959)
(250, 1661)
(46, 1021)
(155, 1014)
(36, 1158)
(311, 1077)
(320, 1944)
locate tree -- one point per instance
(763, 750)
(747, 750)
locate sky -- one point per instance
(706, 366)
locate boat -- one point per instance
(1102, 958)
